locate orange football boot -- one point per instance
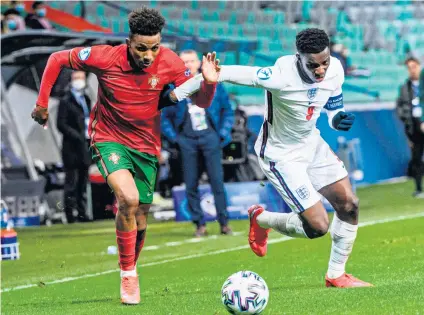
(346, 281)
(258, 236)
(130, 290)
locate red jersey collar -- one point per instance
(125, 64)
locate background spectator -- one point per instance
(410, 112)
(13, 21)
(37, 18)
(201, 134)
(72, 122)
(19, 6)
(341, 52)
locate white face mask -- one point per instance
(78, 84)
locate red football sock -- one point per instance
(126, 243)
(139, 244)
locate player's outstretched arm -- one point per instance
(200, 88)
(268, 77)
(79, 58)
(56, 62)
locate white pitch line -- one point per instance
(222, 251)
(151, 247)
(190, 240)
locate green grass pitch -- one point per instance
(71, 273)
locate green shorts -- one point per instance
(112, 156)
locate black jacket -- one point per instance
(71, 123)
(31, 21)
(404, 111)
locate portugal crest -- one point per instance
(312, 93)
(114, 158)
(153, 81)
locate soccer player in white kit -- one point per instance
(293, 155)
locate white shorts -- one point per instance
(299, 178)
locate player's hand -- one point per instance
(40, 115)
(210, 68)
(343, 121)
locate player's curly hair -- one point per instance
(312, 41)
(145, 21)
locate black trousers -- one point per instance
(417, 164)
(76, 192)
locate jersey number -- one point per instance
(310, 112)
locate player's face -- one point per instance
(316, 65)
(144, 49)
(191, 61)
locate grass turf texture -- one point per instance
(390, 255)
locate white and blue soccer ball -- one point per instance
(245, 292)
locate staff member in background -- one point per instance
(37, 19)
(13, 21)
(410, 112)
(201, 133)
(72, 121)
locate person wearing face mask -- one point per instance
(295, 158)
(13, 21)
(18, 6)
(409, 112)
(72, 121)
(37, 19)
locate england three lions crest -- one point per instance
(303, 192)
(153, 81)
(312, 93)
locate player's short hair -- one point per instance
(412, 59)
(312, 41)
(145, 21)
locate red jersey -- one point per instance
(127, 106)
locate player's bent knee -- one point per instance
(128, 204)
(316, 229)
(349, 206)
(143, 209)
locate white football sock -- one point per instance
(343, 235)
(285, 223)
(128, 273)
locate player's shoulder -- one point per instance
(335, 69)
(170, 60)
(286, 63)
(105, 49)
(286, 66)
(102, 55)
(169, 56)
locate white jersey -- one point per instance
(292, 106)
(294, 157)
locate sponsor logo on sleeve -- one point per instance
(264, 73)
(84, 53)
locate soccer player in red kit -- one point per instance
(125, 123)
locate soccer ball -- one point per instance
(244, 292)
